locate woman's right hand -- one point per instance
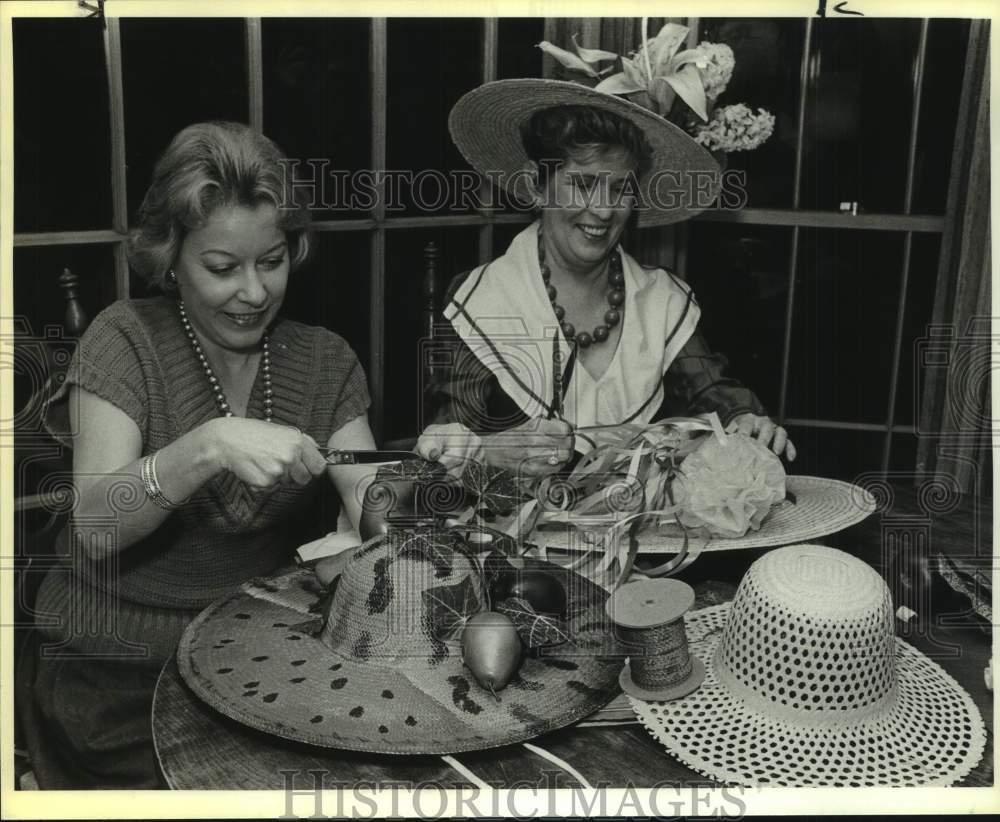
(534, 448)
(263, 454)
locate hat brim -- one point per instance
(932, 735)
(822, 506)
(249, 657)
(485, 124)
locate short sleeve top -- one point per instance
(136, 356)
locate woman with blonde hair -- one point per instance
(195, 419)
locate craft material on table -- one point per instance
(375, 665)
(649, 618)
(821, 507)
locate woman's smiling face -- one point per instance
(232, 274)
(587, 203)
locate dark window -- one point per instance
(62, 144)
(177, 72)
(739, 274)
(317, 101)
(432, 62)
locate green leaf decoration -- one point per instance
(432, 545)
(496, 490)
(633, 74)
(534, 629)
(592, 55)
(618, 84)
(567, 58)
(664, 94)
(687, 84)
(447, 607)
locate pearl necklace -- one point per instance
(616, 296)
(213, 381)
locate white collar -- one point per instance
(504, 315)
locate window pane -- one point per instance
(919, 310)
(317, 101)
(177, 72)
(843, 329)
(432, 62)
(768, 55)
(835, 453)
(739, 274)
(857, 127)
(518, 54)
(40, 305)
(333, 288)
(62, 144)
(903, 453)
(404, 302)
(947, 43)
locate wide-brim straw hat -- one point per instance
(485, 124)
(807, 685)
(382, 673)
(821, 507)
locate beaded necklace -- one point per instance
(616, 297)
(213, 381)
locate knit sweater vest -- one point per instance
(136, 356)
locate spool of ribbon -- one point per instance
(649, 615)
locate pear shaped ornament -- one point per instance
(491, 649)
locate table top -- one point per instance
(199, 748)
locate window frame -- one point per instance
(379, 223)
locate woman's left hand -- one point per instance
(766, 431)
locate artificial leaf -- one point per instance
(664, 46)
(664, 94)
(633, 73)
(592, 55)
(447, 607)
(567, 58)
(534, 629)
(496, 489)
(687, 84)
(617, 84)
(689, 56)
(433, 545)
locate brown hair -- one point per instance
(553, 134)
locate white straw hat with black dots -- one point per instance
(807, 685)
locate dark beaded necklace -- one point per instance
(616, 297)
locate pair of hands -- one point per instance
(263, 454)
(539, 447)
(535, 448)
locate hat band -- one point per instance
(820, 717)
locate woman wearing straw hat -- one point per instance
(194, 417)
(566, 330)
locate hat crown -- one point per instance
(810, 635)
(401, 597)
